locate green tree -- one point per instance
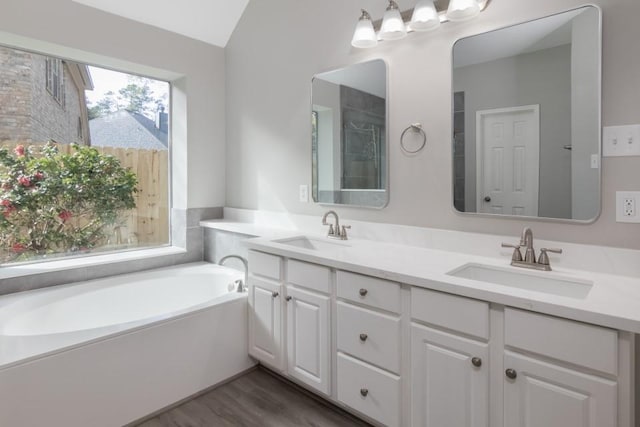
(108, 104)
(52, 202)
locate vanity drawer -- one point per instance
(370, 336)
(459, 314)
(311, 276)
(369, 390)
(367, 290)
(578, 343)
(265, 265)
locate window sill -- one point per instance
(14, 271)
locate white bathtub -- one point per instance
(110, 351)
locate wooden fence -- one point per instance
(148, 223)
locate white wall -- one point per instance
(280, 44)
(78, 32)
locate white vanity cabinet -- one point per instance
(265, 309)
(401, 355)
(289, 318)
(308, 325)
(449, 360)
(369, 344)
(559, 372)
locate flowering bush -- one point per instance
(52, 202)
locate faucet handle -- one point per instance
(544, 258)
(517, 255)
(343, 232)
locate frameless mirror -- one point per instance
(526, 119)
(349, 136)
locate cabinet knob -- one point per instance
(511, 374)
(288, 298)
(363, 337)
(363, 292)
(275, 294)
(476, 361)
(364, 392)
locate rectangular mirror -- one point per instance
(349, 136)
(526, 119)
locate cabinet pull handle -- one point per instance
(288, 298)
(363, 337)
(364, 392)
(363, 292)
(476, 361)
(511, 374)
(275, 294)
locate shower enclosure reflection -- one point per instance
(349, 136)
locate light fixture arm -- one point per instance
(365, 15)
(393, 5)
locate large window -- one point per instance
(87, 178)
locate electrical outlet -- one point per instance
(304, 193)
(629, 206)
(626, 206)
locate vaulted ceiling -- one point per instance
(211, 21)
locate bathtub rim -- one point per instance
(103, 333)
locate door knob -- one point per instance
(511, 374)
(288, 298)
(275, 294)
(487, 199)
(476, 361)
(363, 337)
(363, 292)
(364, 392)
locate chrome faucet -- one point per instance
(529, 261)
(335, 230)
(241, 286)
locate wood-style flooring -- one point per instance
(257, 398)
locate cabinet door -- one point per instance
(308, 345)
(540, 394)
(450, 380)
(265, 324)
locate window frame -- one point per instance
(64, 262)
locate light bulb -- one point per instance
(393, 27)
(425, 16)
(364, 35)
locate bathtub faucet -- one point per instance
(242, 284)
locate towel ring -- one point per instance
(416, 127)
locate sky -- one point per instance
(106, 80)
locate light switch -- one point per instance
(620, 141)
(304, 193)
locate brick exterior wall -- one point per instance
(15, 95)
(28, 112)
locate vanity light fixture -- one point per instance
(427, 15)
(393, 26)
(462, 10)
(364, 36)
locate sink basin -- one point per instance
(528, 280)
(305, 242)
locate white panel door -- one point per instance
(450, 380)
(265, 322)
(546, 395)
(308, 345)
(508, 160)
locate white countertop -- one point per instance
(613, 301)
